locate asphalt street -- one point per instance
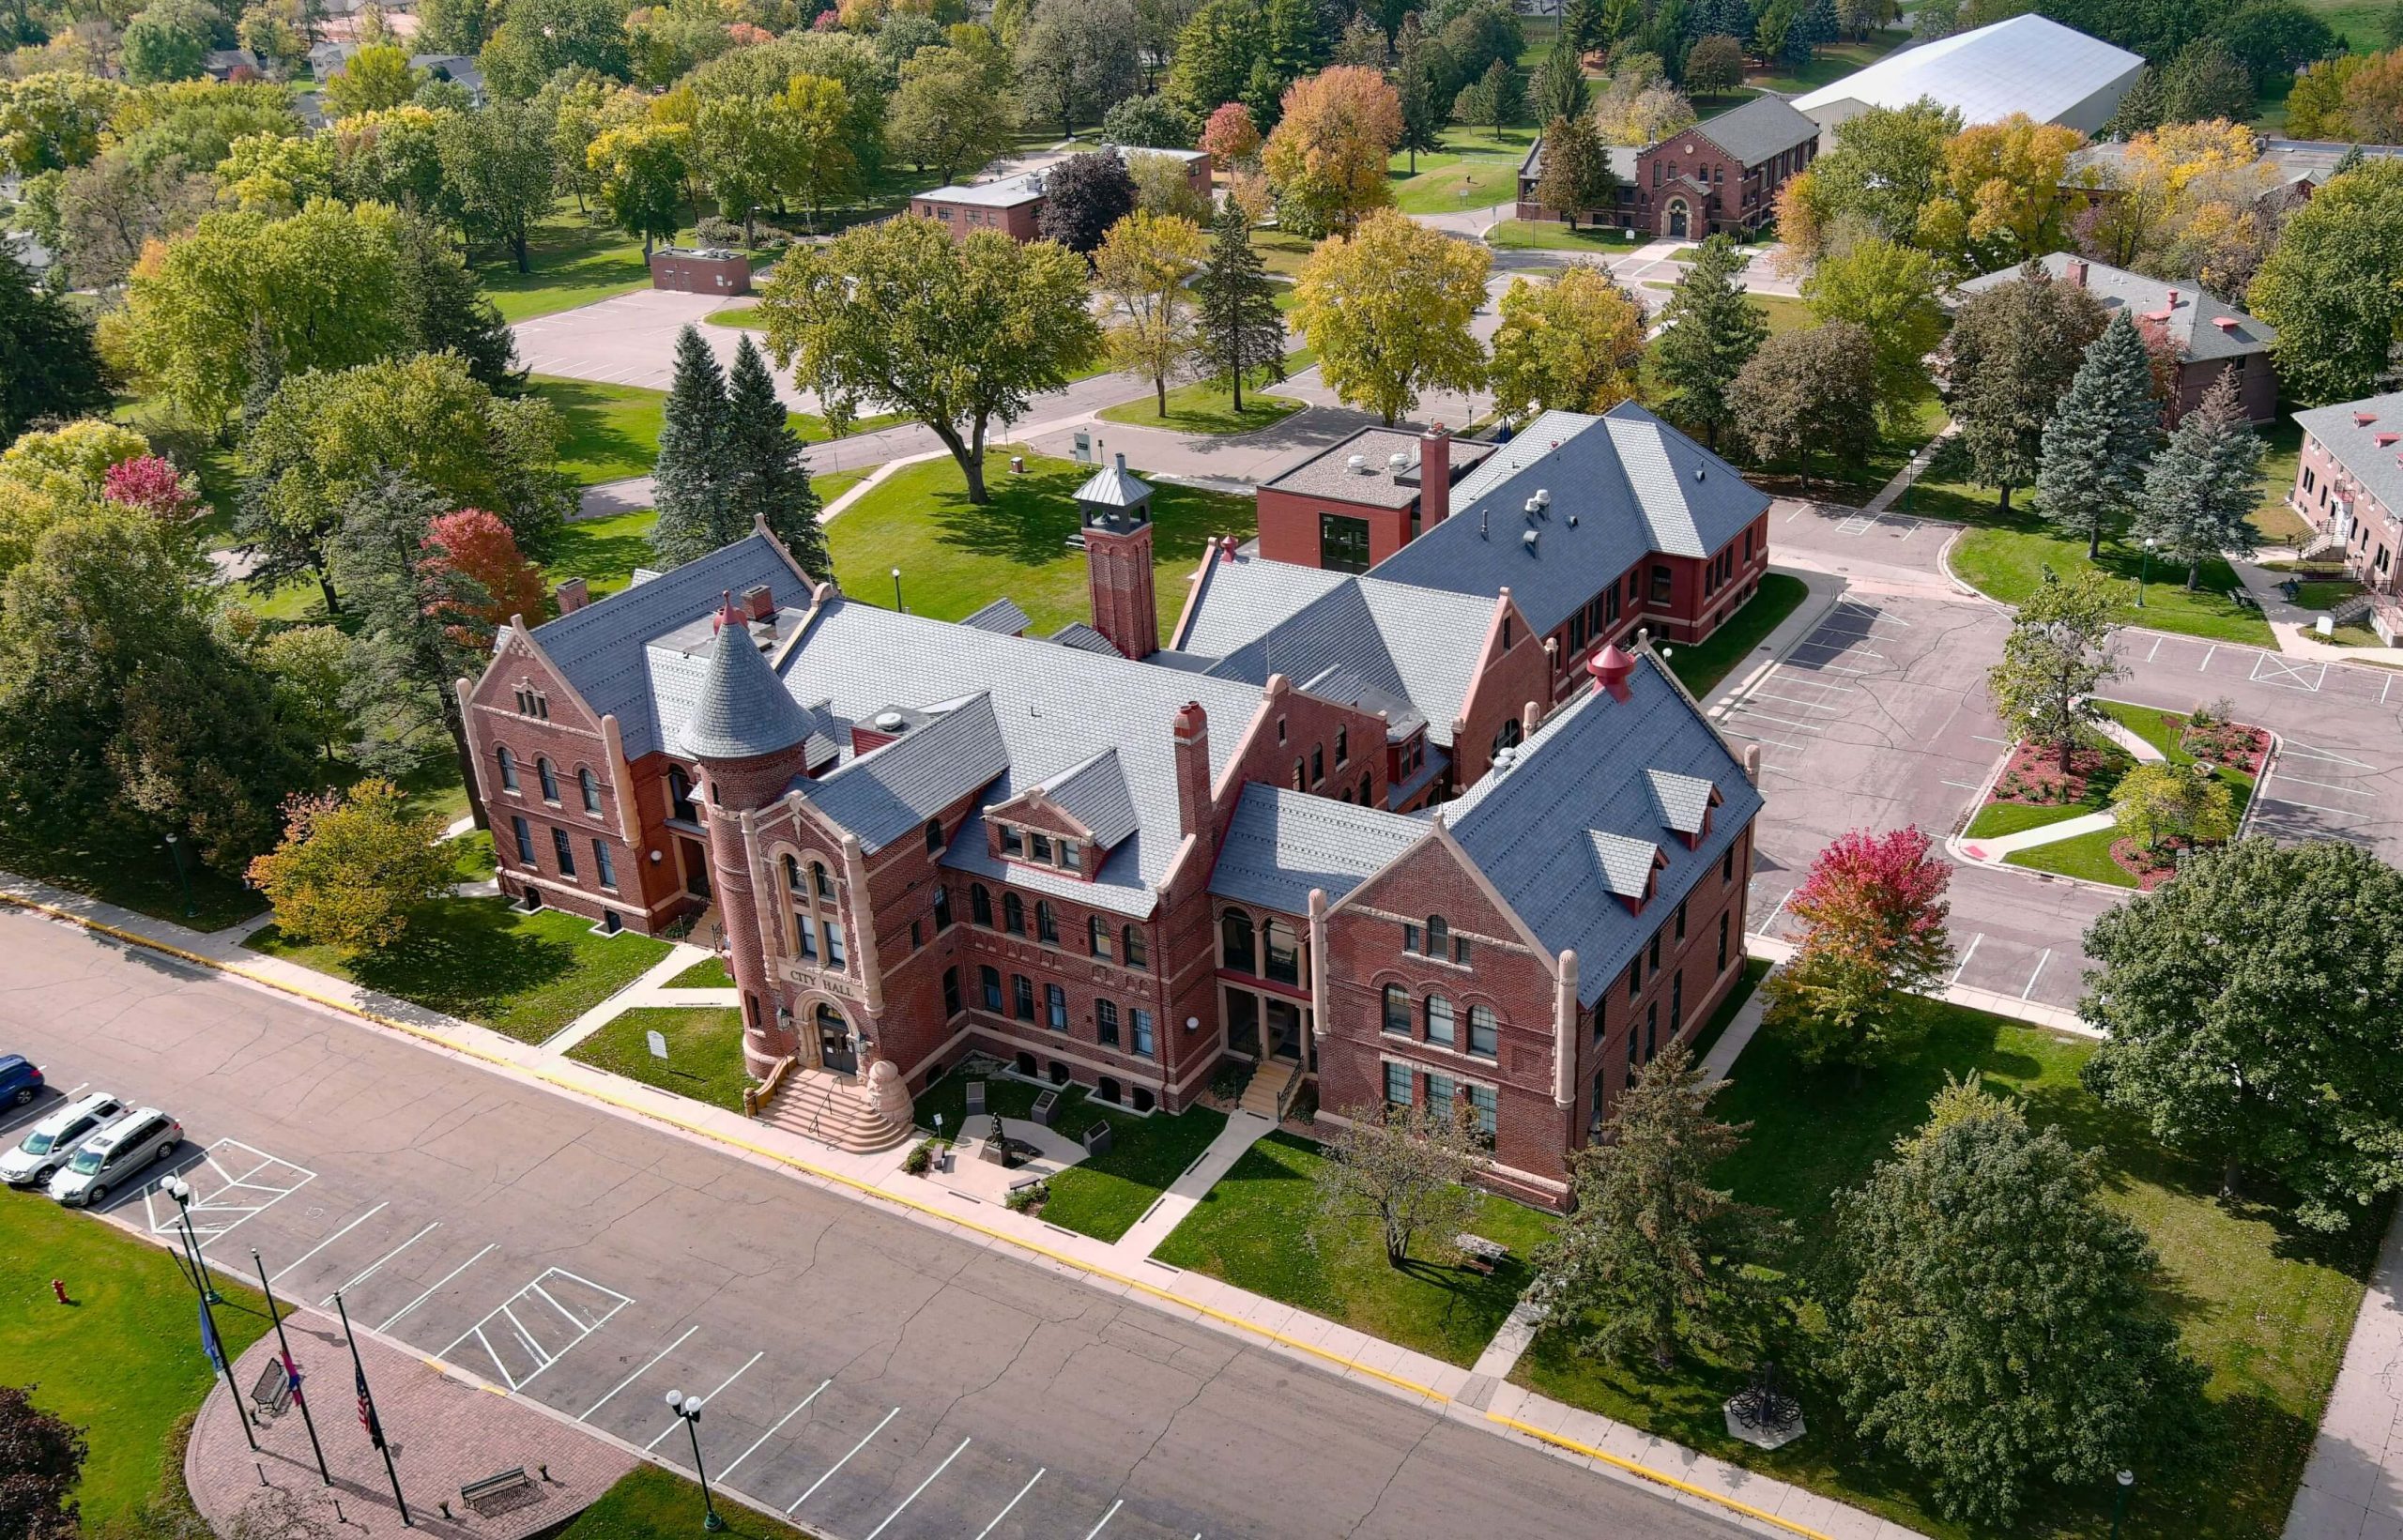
(866, 1374)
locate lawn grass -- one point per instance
(2325, 593)
(1252, 1230)
(1281, 251)
(1996, 819)
(2165, 730)
(1700, 665)
(1550, 236)
(1830, 63)
(955, 557)
(136, 874)
(651, 1503)
(525, 975)
(745, 317)
(2265, 1307)
(2277, 523)
(2086, 856)
(612, 430)
(1203, 407)
(704, 1051)
(709, 973)
(124, 1362)
(2004, 562)
(1477, 168)
(1755, 970)
(833, 484)
(603, 552)
(575, 262)
(1101, 1195)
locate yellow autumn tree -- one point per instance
(1144, 269)
(1572, 344)
(2174, 178)
(1388, 309)
(1327, 155)
(2003, 195)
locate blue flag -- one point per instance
(208, 1343)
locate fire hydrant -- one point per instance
(58, 1286)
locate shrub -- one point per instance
(920, 1158)
(1029, 1197)
(713, 231)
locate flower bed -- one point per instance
(2150, 868)
(2034, 778)
(2232, 745)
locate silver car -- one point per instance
(115, 1155)
(55, 1138)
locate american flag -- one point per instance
(367, 1411)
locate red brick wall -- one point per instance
(1289, 526)
(964, 220)
(1118, 579)
(1293, 729)
(1507, 678)
(2256, 384)
(2374, 552)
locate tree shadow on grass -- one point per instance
(594, 437)
(604, 558)
(468, 959)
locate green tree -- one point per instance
(2206, 80)
(1808, 392)
(2203, 486)
(1994, 1321)
(945, 118)
(310, 667)
(1388, 309)
(2058, 654)
(353, 867)
(766, 470)
(812, 118)
(1418, 84)
(1574, 345)
(1709, 332)
(1077, 59)
(2090, 472)
(454, 26)
(50, 362)
(2333, 286)
(123, 717)
(1560, 89)
(1150, 122)
(1884, 165)
(167, 41)
(642, 168)
(2157, 802)
(372, 80)
(1653, 1259)
(1215, 53)
(446, 311)
(1874, 944)
(2012, 355)
(1241, 331)
(1144, 269)
(1404, 1170)
(1715, 67)
(498, 164)
(1576, 178)
(2250, 1008)
(954, 333)
(53, 120)
(1888, 291)
(689, 478)
(538, 39)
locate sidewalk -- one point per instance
(2291, 623)
(1992, 849)
(2353, 1486)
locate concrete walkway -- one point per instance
(2352, 1489)
(2142, 751)
(1243, 1131)
(1912, 470)
(2291, 623)
(2000, 845)
(1732, 1042)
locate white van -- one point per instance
(55, 1138)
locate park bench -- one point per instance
(498, 1492)
(1482, 1254)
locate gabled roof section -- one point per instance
(1078, 634)
(2202, 325)
(1243, 598)
(1625, 864)
(1623, 485)
(1095, 795)
(744, 710)
(1761, 130)
(1003, 615)
(1683, 801)
(2026, 64)
(890, 791)
(600, 647)
(1589, 768)
(1282, 844)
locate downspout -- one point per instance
(1318, 980)
(1563, 1032)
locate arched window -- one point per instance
(1131, 945)
(1343, 746)
(1484, 1035)
(550, 780)
(1046, 923)
(942, 909)
(590, 790)
(1284, 959)
(1396, 1019)
(792, 880)
(1439, 942)
(1301, 776)
(1439, 1020)
(1368, 788)
(1237, 954)
(1012, 914)
(1096, 937)
(680, 797)
(934, 836)
(980, 905)
(508, 762)
(821, 880)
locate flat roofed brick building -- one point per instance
(2348, 487)
(1014, 205)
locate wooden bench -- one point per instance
(1480, 1254)
(497, 1491)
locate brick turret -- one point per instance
(1117, 517)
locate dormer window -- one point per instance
(1038, 847)
(1013, 842)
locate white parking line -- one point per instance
(540, 1355)
(2296, 748)
(707, 1399)
(2204, 666)
(1771, 921)
(1783, 721)
(780, 1422)
(378, 1262)
(1966, 785)
(2329, 785)
(2287, 673)
(2156, 648)
(327, 1242)
(840, 1463)
(921, 1487)
(1106, 1518)
(2038, 974)
(637, 1375)
(463, 1267)
(1798, 705)
(1776, 742)
(233, 1200)
(1030, 1483)
(1966, 956)
(2315, 807)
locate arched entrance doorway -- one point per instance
(1679, 219)
(834, 1049)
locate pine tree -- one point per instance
(689, 480)
(1709, 332)
(1422, 97)
(1576, 176)
(2202, 491)
(1654, 1259)
(446, 310)
(49, 361)
(2012, 355)
(2090, 474)
(1560, 85)
(1241, 330)
(767, 476)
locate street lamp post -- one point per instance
(689, 1409)
(177, 1188)
(2145, 570)
(897, 605)
(175, 849)
(180, 1190)
(2125, 1478)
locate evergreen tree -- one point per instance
(2091, 470)
(1241, 330)
(1576, 176)
(1653, 1259)
(1419, 83)
(2012, 355)
(49, 363)
(1560, 88)
(1709, 332)
(2201, 494)
(766, 472)
(689, 478)
(448, 312)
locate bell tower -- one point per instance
(1116, 513)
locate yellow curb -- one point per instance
(1663, 1478)
(853, 1183)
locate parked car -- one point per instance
(115, 1155)
(56, 1137)
(20, 1082)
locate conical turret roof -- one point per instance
(744, 710)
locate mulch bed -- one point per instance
(2150, 868)
(2033, 777)
(2232, 745)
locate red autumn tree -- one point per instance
(477, 546)
(149, 483)
(1854, 991)
(1231, 136)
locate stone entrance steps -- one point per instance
(833, 1109)
(1264, 1093)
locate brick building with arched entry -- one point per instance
(1103, 864)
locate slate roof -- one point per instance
(1003, 615)
(1624, 865)
(2355, 445)
(1760, 131)
(2026, 64)
(2193, 322)
(742, 710)
(890, 791)
(1584, 770)
(1282, 844)
(1683, 801)
(1623, 485)
(1082, 637)
(1096, 794)
(1245, 597)
(1621, 157)
(1114, 486)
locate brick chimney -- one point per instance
(572, 596)
(759, 603)
(1116, 509)
(2075, 271)
(1434, 477)
(1192, 732)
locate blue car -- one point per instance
(20, 1082)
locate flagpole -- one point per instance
(291, 1374)
(367, 1405)
(216, 1347)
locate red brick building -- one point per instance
(1012, 205)
(1720, 178)
(2348, 487)
(924, 839)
